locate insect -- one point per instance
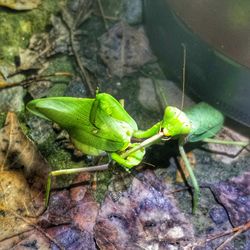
(95, 125)
(101, 124)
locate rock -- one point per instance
(40, 129)
(76, 88)
(124, 49)
(11, 99)
(39, 89)
(147, 95)
(170, 94)
(155, 95)
(218, 215)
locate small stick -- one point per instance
(183, 74)
(31, 79)
(102, 14)
(235, 231)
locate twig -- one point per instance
(235, 231)
(239, 229)
(102, 14)
(38, 229)
(183, 74)
(106, 17)
(29, 80)
(80, 62)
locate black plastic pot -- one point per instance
(212, 73)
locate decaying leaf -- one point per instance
(32, 57)
(67, 223)
(20, 4)
(77, 12)
(124, 49)
(144, 217)
(17, 197)
(44, 45)
(28, 240)
(71, 216)
(18, 152)
(234, 194)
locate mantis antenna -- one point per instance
(183, 74)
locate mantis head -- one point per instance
(175, 122)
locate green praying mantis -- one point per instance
(101, 125)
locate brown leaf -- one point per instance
(20, 4)
(67, 223)
(17, 151)
(28, 240)
(18, 198)
(124, 49)
(143, 217)
(71, 216)
(234, 194)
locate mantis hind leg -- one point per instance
(227, 142)
(69, 171)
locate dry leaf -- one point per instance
(18, 152)
(29, 240)
(71, 216)
(18, 198)
(144, 217)
(20, 4)
(124, 49)
(234, 194)
(16, 201)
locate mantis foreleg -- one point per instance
(149, 132)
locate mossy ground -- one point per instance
(18, 26)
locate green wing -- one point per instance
(107, 104)
(111, 120)
(68, 112)
(73, 115)
(206, 121)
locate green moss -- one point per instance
(18, 27)
(103, 180)
(2, 119)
